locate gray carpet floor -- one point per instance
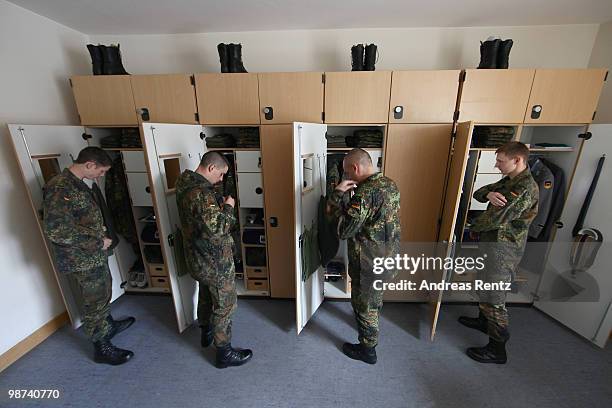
(549, 366)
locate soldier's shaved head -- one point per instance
(215, 159)
(359, 157)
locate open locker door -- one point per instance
(309, 151)
(170, 149)
(42, 152)
(581, 299)
(456, 174)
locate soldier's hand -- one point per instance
(346, 185)
(229, 200)
(107, 243)
(497, 199)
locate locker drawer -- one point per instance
(160, 282)
(140, 193)
(157, 269)
(258, 284)
(134, 162)
(482, 180)
(248, 162)
(257, 273)
(486, 163)
(250, 190)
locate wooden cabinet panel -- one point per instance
(169, 98)
(416, 158)
(357, 97)
(104, 100)
(228, 99)
(424, 96)
(293, 97)
(565, 95)
(495, 95)
(277, 157)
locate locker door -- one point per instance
(309, 151)
(170, 149)
(456, 173)
(581, 300)
(43, 151)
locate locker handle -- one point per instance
(258, 190)
(536, 110)
(274, 222)
(148, 189)
(559, 224)
(268, 113)
(259, 163)
(398, 112)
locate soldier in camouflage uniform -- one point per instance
(207, 220)
(74, 227)
(369, 220)
(502, 231)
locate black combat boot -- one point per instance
(503, 54)
(357, 57)
(488, 54)
(106, 353)
(223, 57)
(112, 60)
(478, 323)
(494, 352)
(228, 356)
(370, 57)
(96, 59)
(234, 52)
(117, 326)
(360, 352)
(207, 336)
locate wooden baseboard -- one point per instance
(33, 340)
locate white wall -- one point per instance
(601, 57)
(38, 55)
(564, 46)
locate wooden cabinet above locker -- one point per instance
(287, 97)
(357, 97)
(423, 96)
(228, 99)
(564, 95)
(104, 100)
(495, 95)
(167, 98)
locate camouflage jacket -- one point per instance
(206, 227)
(370, 222)
(73, 224)
(511, 222)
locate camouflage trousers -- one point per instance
(217, 302)
(94, 290)
(367, 304)
(501, 261)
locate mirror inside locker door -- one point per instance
(172, 149)
(310, 146)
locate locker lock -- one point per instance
(202, 135)
(274, 222)
(259, 163)
(85, 136)
(144, 114)
(268, 113)
(535, 111)
(398, 112)
(148, 189)
(558, 224)
(259, 190)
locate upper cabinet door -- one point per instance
(291, 97)
(228, 99)
(495, 95)
(104, 100)
(564, 95)
(357, 97)
(167, 98)
(423, 96)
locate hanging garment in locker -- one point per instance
(106, 216)
(546, 181)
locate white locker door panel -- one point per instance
(33, 143)
(581, 301)
(310, 148)
(480, 181)
(248, 162)
(140, 191)
(183, 143)
(250, 190)
(377, 158)
(134, 162)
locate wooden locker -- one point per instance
(168, 98)
(423, 96)
(104, 100)
(495, 95)
(291, 97)
(228, 99)
(564, 95)
(357, 97)
(277, 155)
